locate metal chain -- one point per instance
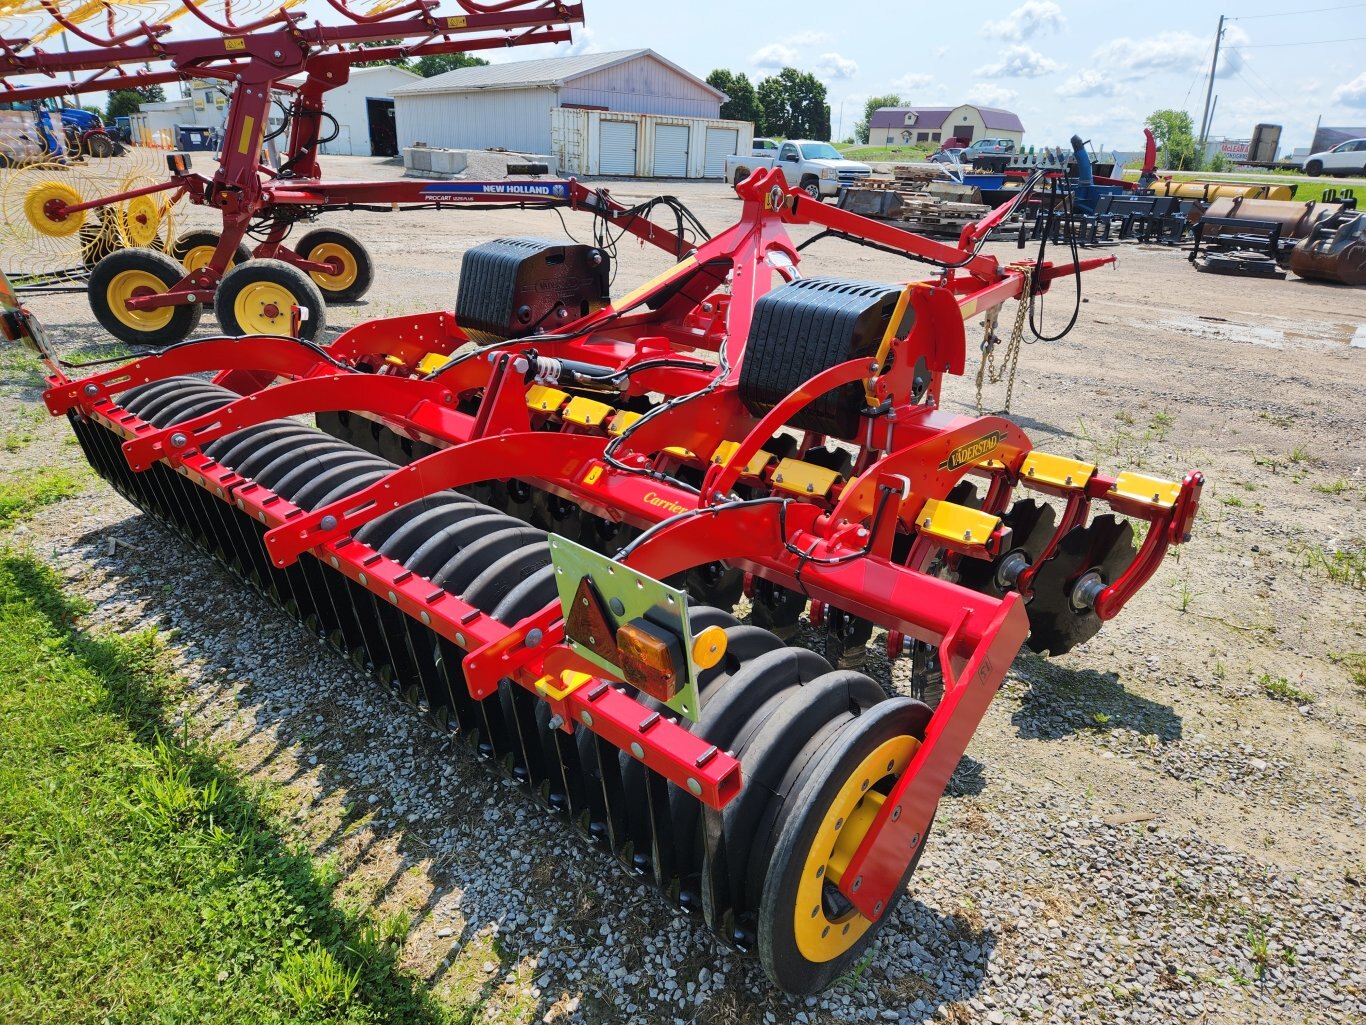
(1010, 362)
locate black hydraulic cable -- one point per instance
(1061, 189)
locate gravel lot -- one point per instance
(1164, 825)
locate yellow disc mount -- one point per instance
(141, 218)
(342, 258)
(821, 938)
(263, 308)
(132, 284)
(43, 205)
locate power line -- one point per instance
(1307, 42)
(1289, 14)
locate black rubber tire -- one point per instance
(795, 830)
(187, 241)
(99, 146)
(811, 185)
(300, 287)
(183, 320)
(1314, 168)
(365, 266)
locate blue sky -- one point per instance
(1097, 69)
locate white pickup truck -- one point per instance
(815, 167)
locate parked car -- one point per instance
(984, 146)
(815, 167)
(765, 147)
(1346, 158)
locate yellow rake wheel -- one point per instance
(42, 208)
(132, 274)
(140, 217)
(259, 297)
(352, 271)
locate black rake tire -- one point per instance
(357, 268)
(122, 274)
(255, 298)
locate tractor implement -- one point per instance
(534, 517)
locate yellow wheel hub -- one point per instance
(42, 206)
(345, 260)
(132, 284)
(263, 308)
(198, 257)
(821, 938)
(141, 217)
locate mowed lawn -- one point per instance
(141, 880)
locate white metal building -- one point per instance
(628, 112)
(364, 109)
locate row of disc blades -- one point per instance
(798, 726)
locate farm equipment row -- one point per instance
(142, 297)
(730, 428)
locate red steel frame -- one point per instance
(256, 59)
(837, 552)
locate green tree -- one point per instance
(439, 63)
(870, 108)
(1175, 135)
(743, 105)
(151, 93)
(793, 105)
(122, 103)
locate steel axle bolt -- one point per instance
(637, 750)
(695, 787)
(555, 722)
(91, 389)
(328, 523)
(533, 638)
(587, 717)
(178, 440)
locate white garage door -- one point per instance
(671, 151)
(721, 143)
(617, 147)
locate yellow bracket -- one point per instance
(897, 327)
(570, 681)
(754, 468)
(622, 422)
(679, 452)
(1057, 471)
(803, 478)
(1152, 491)
(547, 400)
(957, 524)
(587, 412)
(431, 362)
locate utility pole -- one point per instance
(1209, 89)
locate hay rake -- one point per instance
(149, 298)
(538, 535)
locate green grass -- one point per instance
(1283, 690)
(140, 879)
(915, 153)
(1340, 565)
(1355, 664)
(23, 494)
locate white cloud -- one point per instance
(1168, 51)
(1027, 20)
(912, 82)
(1353, 93)
(1019, 62)
(774, 55)
(835, 66)
(1089, 83)
(991, 95)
